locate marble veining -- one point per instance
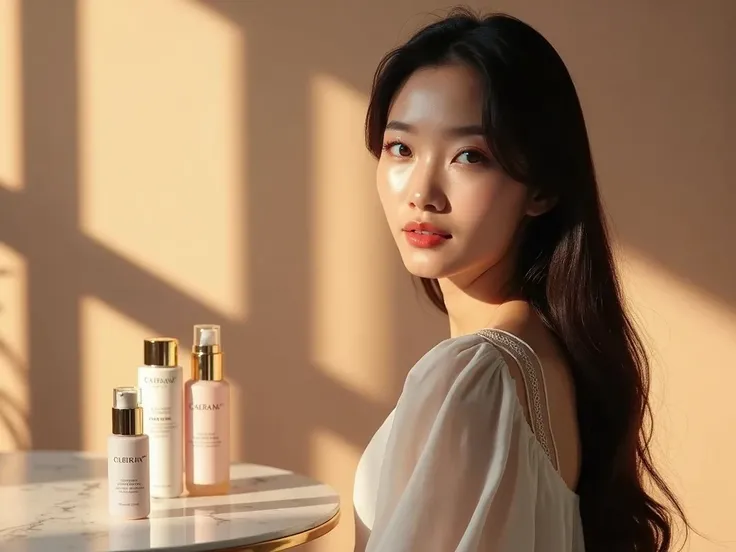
(57, 502)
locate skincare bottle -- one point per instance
(207, 398)
(162, 397)
(127, 458)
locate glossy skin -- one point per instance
(436, 168)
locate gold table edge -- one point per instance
(283, 543)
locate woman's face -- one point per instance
(451, 209)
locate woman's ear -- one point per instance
(540, 204)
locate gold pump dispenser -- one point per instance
(207, 353)
(127, 414)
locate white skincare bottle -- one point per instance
(207, 397)
(127, 458)
(162, 396)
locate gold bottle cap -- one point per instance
(127, 414)
(161, 351)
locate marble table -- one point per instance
(57, 502)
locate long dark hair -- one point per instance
(535, 128)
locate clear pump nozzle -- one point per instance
(207, 335)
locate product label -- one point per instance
(206, 406)
(128, 475)
(208, 433)
(128, 491)
(162, 397)
(159, 381)
(129, 459)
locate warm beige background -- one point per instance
(169, 162)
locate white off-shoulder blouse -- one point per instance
(457, 467)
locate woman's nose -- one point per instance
(425, 192)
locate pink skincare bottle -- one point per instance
(207, 426)
(127, 458)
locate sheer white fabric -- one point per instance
(456, 466)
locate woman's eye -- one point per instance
(471, 157)
(397, 149)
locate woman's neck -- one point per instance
(477, 302)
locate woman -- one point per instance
(525, 430)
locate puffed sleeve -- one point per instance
(448, 477)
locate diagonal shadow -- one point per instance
(13, 414)
(130, 290)
(64, 265)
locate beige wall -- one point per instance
(180, 161)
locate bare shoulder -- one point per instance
(520, 320)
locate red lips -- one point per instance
(424, 235)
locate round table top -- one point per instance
(57, 501)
